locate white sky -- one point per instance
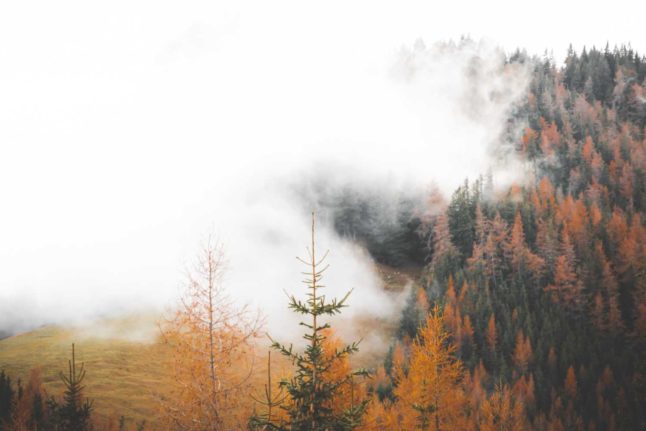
(127, 128)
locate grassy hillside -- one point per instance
(123, 363)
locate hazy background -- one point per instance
(131, 130)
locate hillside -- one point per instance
(123, 363)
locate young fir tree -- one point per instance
(311, 390)
(73, 414)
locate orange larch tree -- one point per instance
(502, 412)
(212, 356)
(567, 288)
(491, 334)
(428, 392)
(520, 256)
(522, 352)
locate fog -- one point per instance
(130, 132)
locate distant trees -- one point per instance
(502, 412)
(23, 408)
(322, 379)
(212, 362)
(27, 408)
(7, 395)
(461, 214)
(554, 268)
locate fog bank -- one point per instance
(125, 151)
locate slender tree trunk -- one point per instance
(214, 384)
(314, 329)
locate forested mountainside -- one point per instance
(543, 289)
(531, 312)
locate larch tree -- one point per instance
(567, 288)
(429, 394)
(522, 351)
(570, 383)
(491, 334)
(445, 253)
(520, 256)
(212, 359)
(610, 287)
(502, 412)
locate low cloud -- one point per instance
(122, 168)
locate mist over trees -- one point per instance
(529, 313)
(543, 287)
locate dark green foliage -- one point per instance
(593, 73)
(73, 414)
(594, 109)
(311, 390)
(382, 219)
(7, 399)
(38, 420)
(388, 228)
(461, 214)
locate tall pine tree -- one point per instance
(312, 389)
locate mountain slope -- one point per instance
(124, 364)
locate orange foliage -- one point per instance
(570, 383)
(429, 394)
(520, 256)
(212, 355)
(27, 399)
(492, 335)
(351, 393)
(567, 287)
(501, 412)
(522, 351)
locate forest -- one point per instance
(528, 311)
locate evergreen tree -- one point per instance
(311, 391)
(74, 414)
(7, 396)
(461, 213)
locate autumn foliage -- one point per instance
(213, 355)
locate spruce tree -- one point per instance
(73, 414)
(310, 391)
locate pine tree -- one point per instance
(461, 214)
(311, 391)
(73, 414)
(7, 397)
